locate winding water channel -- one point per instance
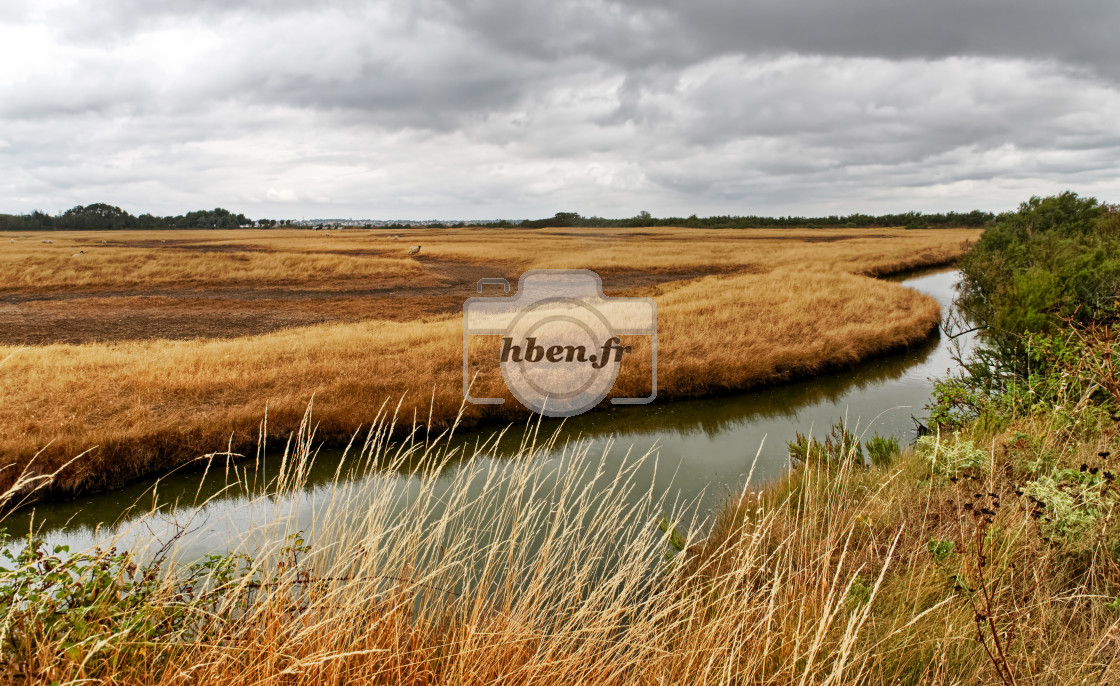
(704, 448)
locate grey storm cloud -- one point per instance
(522, 107)
(637, 33)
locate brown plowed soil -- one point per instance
(88, 315)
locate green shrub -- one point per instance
(77, 602)
(839, 446)
(103, 608)
(1055, 257)
(1043, 287)
(882, 451)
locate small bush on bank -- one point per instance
(838, 447)
(106, 609)
(842, 446)
(79, 603)
(882, 450)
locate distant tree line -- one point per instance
(100, 216)
(913, 220)
(910, 220)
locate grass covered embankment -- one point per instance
(777, 305)
(517, 571)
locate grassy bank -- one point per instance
(780, 305)
(933, 567)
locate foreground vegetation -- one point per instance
(735, 310)
(989, 552)
(975, 558)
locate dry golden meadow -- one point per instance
(140, 351)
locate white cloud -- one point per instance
(517, 109)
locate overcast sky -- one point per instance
(522, 108)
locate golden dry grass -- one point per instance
(781, 304)
(209, 259)
(142, 259)
(513, 571)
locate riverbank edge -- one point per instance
(50, 491)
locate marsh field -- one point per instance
(141, 351)
(370, 546)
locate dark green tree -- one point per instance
(1055, 258)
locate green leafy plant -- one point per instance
(83, 603)
(1043, 288)
(1054, 257)
(941, 549)
(675, 542)
(106, 610)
